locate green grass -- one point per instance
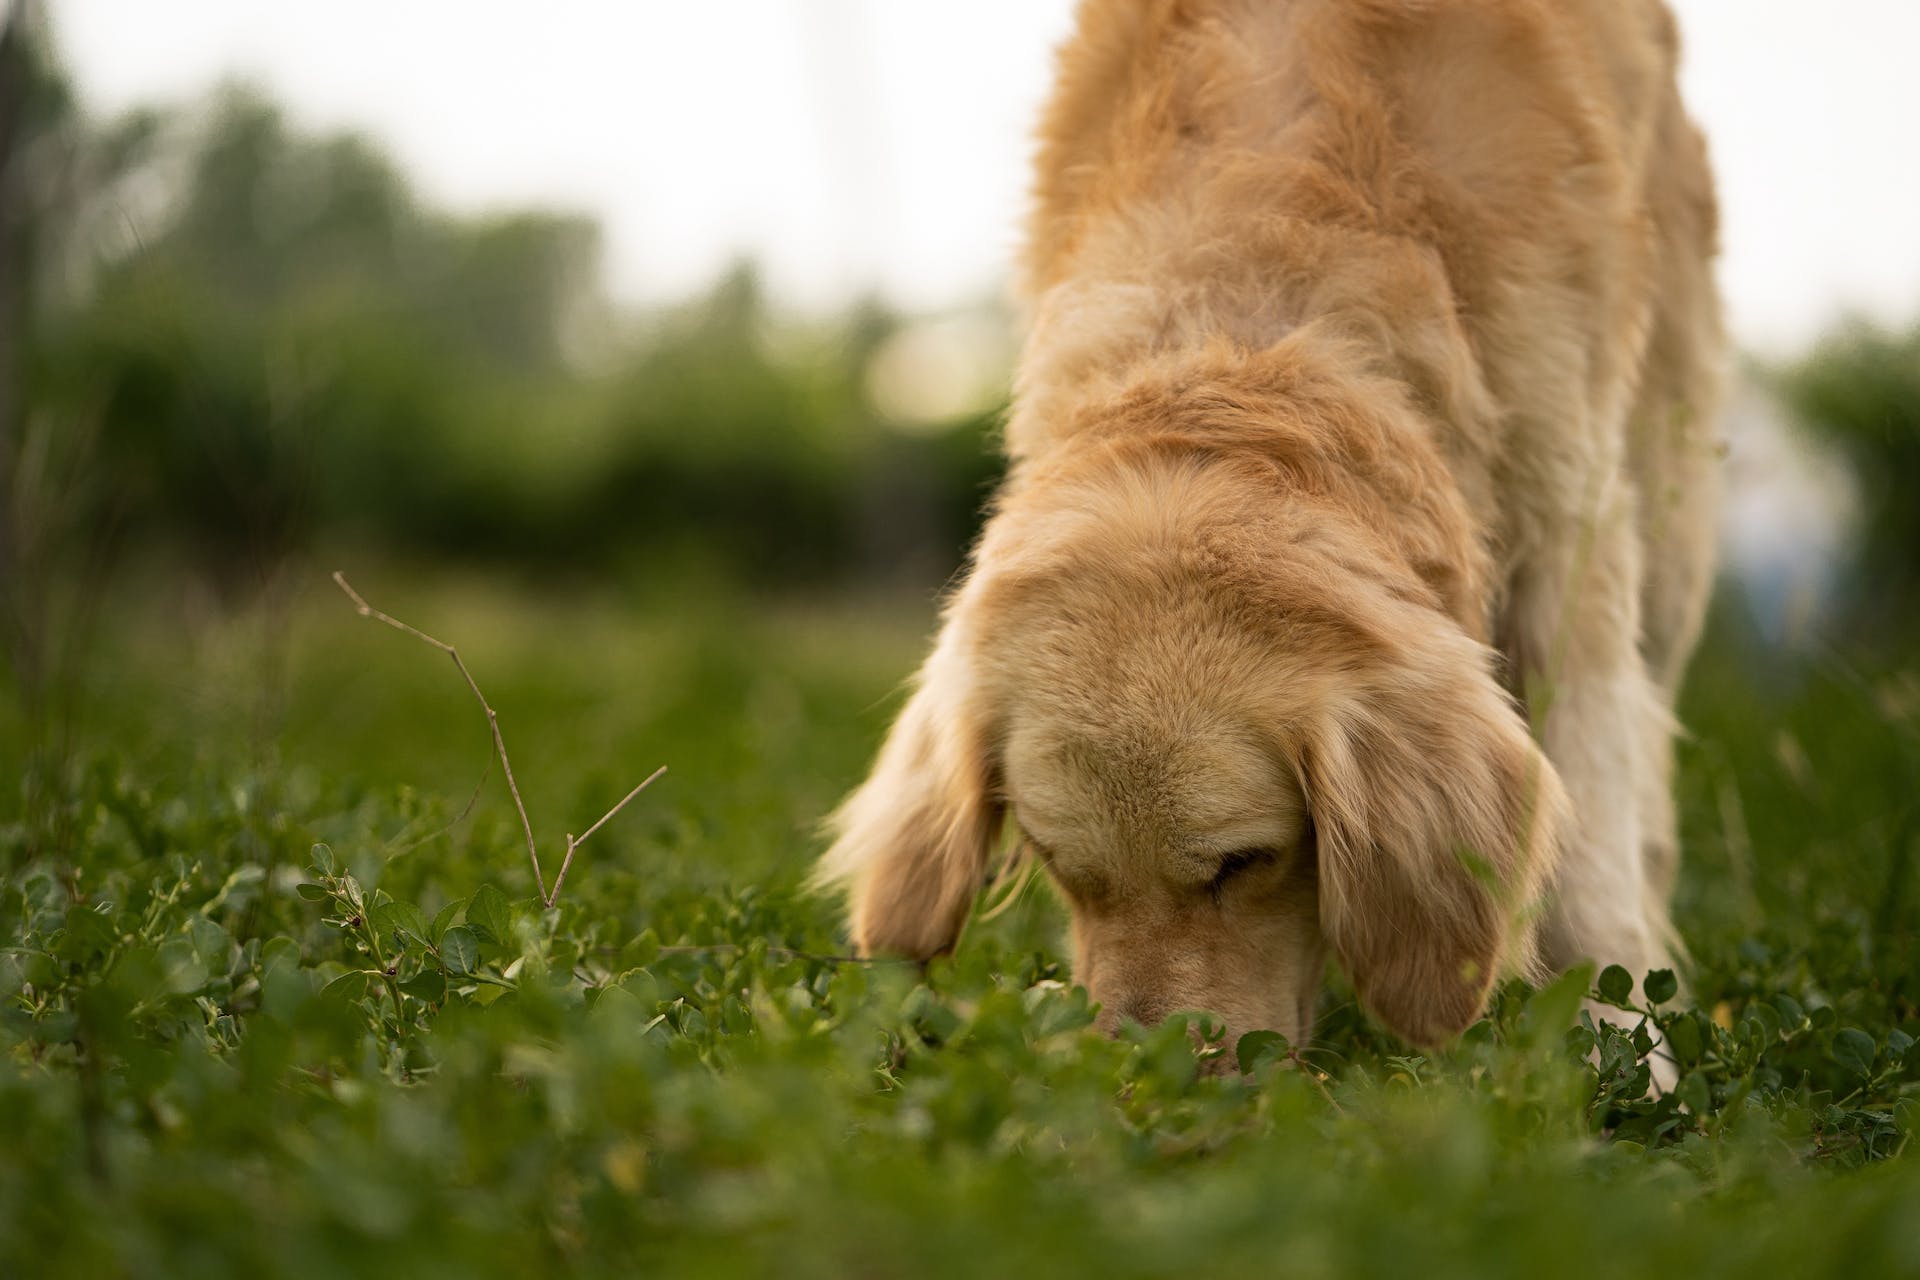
(668, 1071)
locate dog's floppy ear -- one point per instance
(1437, 819)
(911, 844)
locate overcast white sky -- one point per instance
(883, 143)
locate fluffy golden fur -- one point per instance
(1359, 521)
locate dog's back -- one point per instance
(1506, 191)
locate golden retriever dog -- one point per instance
(1359, 519)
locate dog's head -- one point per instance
(1236, 736)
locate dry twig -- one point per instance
(575, 842)
(547, 897)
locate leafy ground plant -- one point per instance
(255, 1024)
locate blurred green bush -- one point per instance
(1859, 392)
(244, 339)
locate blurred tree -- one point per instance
(16, 72)
(1859, 391)
(37, 119)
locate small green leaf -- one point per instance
(402, 917)
(87, 933)
(349, 986)
(488, 910)
(1661, 986)
(932, 1018)
(1258, 1047)
(1615, 986)
(442, 920)
(459, 949)
(181, 969)
(214, 944)
(1684, 1039)
(1855, 1050)
(322, 856)
(1616, 1050)
(429, 985)
(279, 951)
(645, 949)
(312, 892)
(1695, 1093)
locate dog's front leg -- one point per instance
(1574, 627)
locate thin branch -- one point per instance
(1316, 1077)
(493, 717)
(547, 898)
(573, 843)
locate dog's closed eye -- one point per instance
(1238, 863)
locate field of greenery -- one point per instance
(275, 1003)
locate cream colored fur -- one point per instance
(1359, 522)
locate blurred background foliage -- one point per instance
(1858, 393)
(237, 341)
